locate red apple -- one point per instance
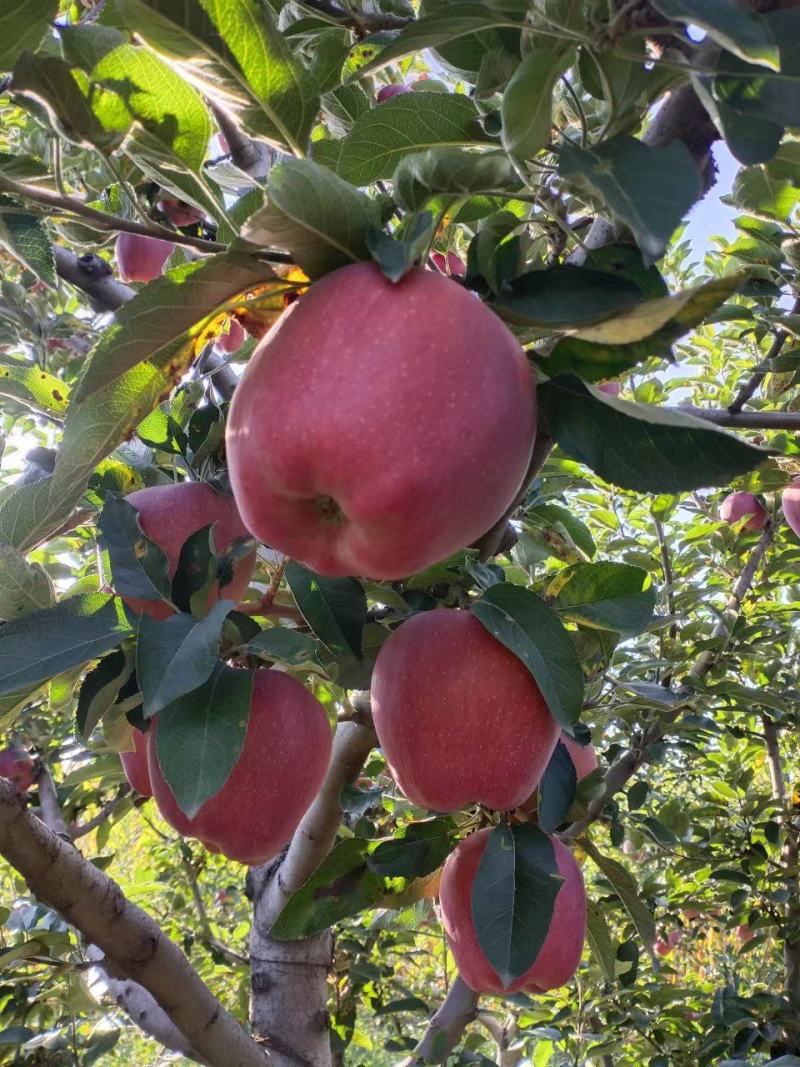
(170, 514)
(140, 259)
(18, 766)
(560, 954)
(662, 947)
(380, 427)
(745, 934)
(233, 340)
(451, 264)
(736, 505)
(135, 765)
(386, 92)
(458, 716)
(584, 757)
(180, 213)
(611, 388)
(673, 937)
(690, 914)
(284, 759)
(790, 502)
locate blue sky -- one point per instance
(709, 218)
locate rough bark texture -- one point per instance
(132, 942)
(289, 983)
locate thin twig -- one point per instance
(759, 374)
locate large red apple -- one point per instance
(170, 514)
(736, 505)
(560, 954)
(380, 427)
(284, 759)
(458, 716)
(134, 764)
(140, 259)
(790, 502)
(18, 766)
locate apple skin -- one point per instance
(233, 340)
(560, 954)
(180, 213)
(458, 716)
(662, 947)
(135, 764)
(170, 514)
(386, 92)
(736, 505)
(611, 388)
(393, 398)
(584, 757)
(451, 264)
(790, 502)
(745, 934)
(18, 767)
(140, 259)
(283, 762)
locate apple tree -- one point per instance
(399, 525)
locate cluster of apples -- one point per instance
(738, 506)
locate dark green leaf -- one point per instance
(528, 100)
(744, 32)
(451, 172)
(599, 938)
(557, 789)
(513, 897)
(175, 656)
(334, 608)
(200, 736)
(395, 256)
(609, 596)
(565, 297)
(649, 189)
(639, 447)
(100, 689)
(420, 848)
(138, 566)
(196, 572)
(285, 645)
(628, 892)
(40, 646)
(526, 625)
(23, 24)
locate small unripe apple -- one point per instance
(611, 388)
(233, 340)
(451, 264)
(736, 505)
(134, 764)
(140, 259)
(17, 765)
(459, 717)
(790, 502)
(386, 92)
(366, 411)
(170, 514)
(560, 954)
(283, 761)
(180, 213)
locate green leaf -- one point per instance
(513, 897)
(752, 138)
(557, 789)
(565, 297)
(451, 172)
(334, 608)
(319, 218)
(139, 568)
(33, 387)
(177, 655)
(200, 736)
(401, 126)
(86, 113)
(25, 237)
(234, 49)
(26, 517)
(599, 939)
(40, 646)
(641, 447)
(100, 689)
(455, 21)
(284, 645)
(742, 31)
(529, 628)
(419, 849)
(396, 257)
(607, 596)
(628, 892)
(648, 189)
(341, 886)
(24, 587)
(196, 573)
(563, 522)
(759, 191)
(159, 325)
(23, 24)
(527, 105)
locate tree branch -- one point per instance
(95, 905)
(361, 21)
(48, 801)
(94, 276)
(456, 1012)
(744, 420)
(759, 374)
(105, 813)
(251, 157)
